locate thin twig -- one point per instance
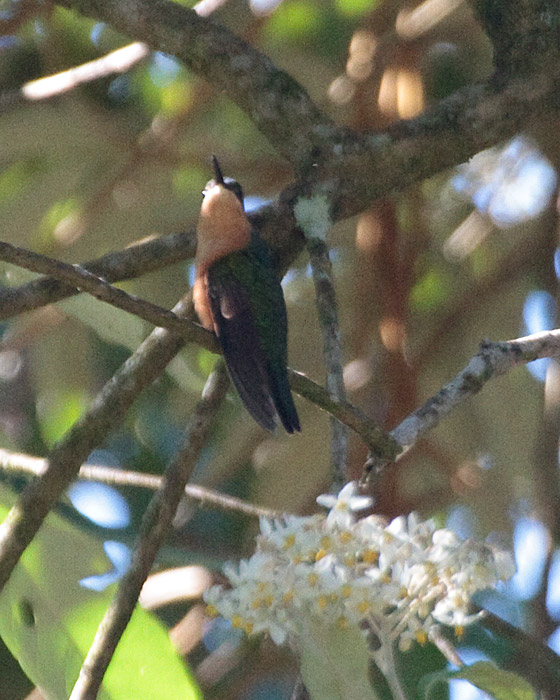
(492, 360)
(327, 309)
(378, 440)
(15, 462)
(86, 281)
(107, 410)
(133, 261)
(155, 525)
(118, 61)
(445, 646)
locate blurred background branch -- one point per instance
(155, 525)
(38, 498)
(17, 463)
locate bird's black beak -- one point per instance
(217, 171)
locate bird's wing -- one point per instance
(236, 328)
(269, 308)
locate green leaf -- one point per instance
(61, 212)
(355, 8)
(48, 620)
(335, 663)
(58, 412)
(502, 685)
(293, 20)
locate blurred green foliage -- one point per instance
(48, 620)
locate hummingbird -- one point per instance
(237, 294)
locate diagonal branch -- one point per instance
(133, 261)
(105, 413)
(86, 281)
(155, 525)
(492, 360)
(330, 401)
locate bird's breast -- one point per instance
(201, 300)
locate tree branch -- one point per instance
(492, 360)
(107, 410)
(155, 525)
(15, 462)
(525, 33)
(86, 281)
(133, 261)
(370, 432)
(327, 309)
(329, 400)
(277, 104)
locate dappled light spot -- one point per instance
(172, 585)
(531, 542)
(101, 504)
(393, 333)
(511, 185)
(120, 557)
(411, 24)
(466, 478)
(357, 373)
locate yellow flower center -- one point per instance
(363, 606)
(370, 556)
(289, 541)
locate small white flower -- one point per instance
(348, 498)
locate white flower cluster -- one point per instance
(398, 578)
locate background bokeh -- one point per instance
(421, 277)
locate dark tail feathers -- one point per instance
(282, 398)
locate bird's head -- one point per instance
(222, 226)
(222, 183)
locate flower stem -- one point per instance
(385, 659)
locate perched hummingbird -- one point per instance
(237, 294)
